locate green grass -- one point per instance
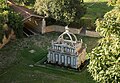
(19, 71)
(95, 9)
(16, 58)
(25, 74)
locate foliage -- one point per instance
(6, 19)
(114, 2)
(25, 2)
(1, 28)
(105, 58)
(3, 4)
(16, 23)
(3, 18)
(63, 10)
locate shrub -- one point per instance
(63, 10)
(3, 18)
(1, 28)
(105, 58)
(25, 2)
(15, 22)
(11, 18)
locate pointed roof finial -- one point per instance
(66, 29)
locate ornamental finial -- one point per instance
(66, 29)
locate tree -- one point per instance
(105, 58)
(114, 2)
(6, 19)
(16, 24)
(25, 2)
(3, 18)
(63, 10)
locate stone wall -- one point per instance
(58, 28)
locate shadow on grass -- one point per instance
(54, 66)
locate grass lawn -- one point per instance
(95, 9)
(17, 60)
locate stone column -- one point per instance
(43, 26)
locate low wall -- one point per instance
(80, 31)
(57, 28)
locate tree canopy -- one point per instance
(105, 58)
(114, 2)
(25, 2)
(63, 10)
(6, 20)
